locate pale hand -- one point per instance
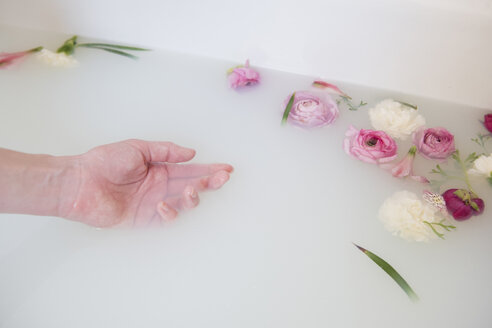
(135, 182)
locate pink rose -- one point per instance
(487, 122)
(243, 76)
(434, 143)
(370, 146)
(312, 109)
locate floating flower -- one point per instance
(436, 201)
(330, 87)
(7, 59)
(242, 76)
(405, 167)
(487, 122)
(60, 59)
(482, 166)
(406, 216)
(434, 143)
(312, 109)
(463, 204)
(395, 118)
(370, 146)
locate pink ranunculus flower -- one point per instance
(487, 122)
(9, 58)
(434, 143)
(312, 109)
(242, 76)
(370, 146)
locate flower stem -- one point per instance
(457, 157)
(37, 49)
(440, 235)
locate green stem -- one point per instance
(35, 49)
(440, 235)
(465, 173)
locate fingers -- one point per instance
(168, 210)
(215, 181)
(161, 151)
(196, 170)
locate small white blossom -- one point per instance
(482, 166)
(403, 214)
(57, 59)
(396, 119)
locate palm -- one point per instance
(137, 182)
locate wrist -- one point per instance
(37, 184)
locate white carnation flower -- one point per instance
(396, 119)
(57, 59)
(403, 214)
(482, 166)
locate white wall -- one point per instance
(436, 48)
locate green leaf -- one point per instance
(391, 272)
(118, 52)
(408, 105)
(107, 45)
(288, 108)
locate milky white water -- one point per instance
(272, 248)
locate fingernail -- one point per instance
(164, 207)
(193, 194)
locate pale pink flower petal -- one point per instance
(329, 87)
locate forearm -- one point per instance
(37, 184)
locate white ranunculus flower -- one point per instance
(57, 59)
(403, 214)
(396, 119)
(482, 166)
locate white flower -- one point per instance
(403, 214)
(482, 166)
(396, 119)
(57, 59)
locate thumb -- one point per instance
(162, 151)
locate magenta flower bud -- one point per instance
(487, 122)
(463, 204)
(434, 143)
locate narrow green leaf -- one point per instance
(391, 272)
(408, 105)
(107, 45)
(288, 108)
(118, 52)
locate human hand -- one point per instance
(136, 182)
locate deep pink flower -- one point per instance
(370, 146)
(312, 109)
(405, 167)
(434, 143)
(10, 58)
(487, 122)
(462, 204)
(243, 75)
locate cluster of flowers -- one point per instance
(403, 214)
(63, 57)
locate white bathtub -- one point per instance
(249, 256)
